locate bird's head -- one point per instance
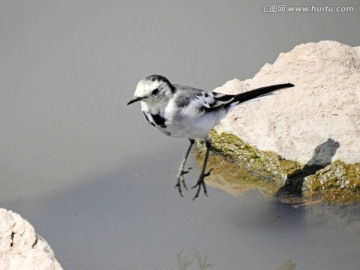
(153, 89)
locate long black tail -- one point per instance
(263, 91)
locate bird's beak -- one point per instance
(135, 99)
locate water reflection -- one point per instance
(288, 265)
(343, 218)
(185, 261)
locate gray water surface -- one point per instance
(135, 219)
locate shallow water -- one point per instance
(133, 218)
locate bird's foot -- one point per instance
(201, 183)
(181, 181)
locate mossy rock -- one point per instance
(238, 167)
(338, 181)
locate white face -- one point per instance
(147, 88)
(153, 89)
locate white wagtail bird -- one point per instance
(187, 112)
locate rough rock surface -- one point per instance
(325, 103)
(21, 247)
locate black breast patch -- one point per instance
(159, 120)
(155, 119)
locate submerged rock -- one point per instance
(21, 247)
(307, 136)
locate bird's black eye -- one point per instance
(155, 91)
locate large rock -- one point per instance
(302, 140)
(21, 247)
(325, 103)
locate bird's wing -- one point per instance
(186, 96)
(213, 101)
(201, 99)
(221, 100)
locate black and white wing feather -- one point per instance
(223, 101)
(213, 101)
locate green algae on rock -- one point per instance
(238, 167)
(338, 182)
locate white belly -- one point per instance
(193, 128)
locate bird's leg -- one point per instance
(180, 176)
(201, 183)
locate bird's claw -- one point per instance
(201, 183)
(181, 181)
